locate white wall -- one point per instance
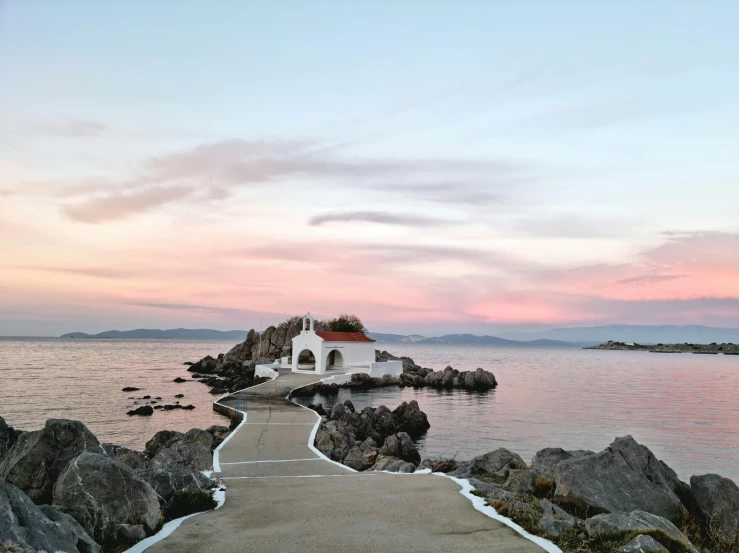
(380, 369)
(355, 354)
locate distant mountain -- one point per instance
(172, 334)
(642, 334)
(465, 339)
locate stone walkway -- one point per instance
(283, 497)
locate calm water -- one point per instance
(684, 407)
(82, 379)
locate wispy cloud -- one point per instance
(120, 205)
(380, 217)
(74, 128)
(95, 272)
(649, 279)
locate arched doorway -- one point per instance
(306, 360)
(335, 360)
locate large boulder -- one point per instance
(625, 477)
(35, 461)
(28, 528)
(107, 498)
(411, 419)
(546, 459)
(359, 459)
(638, 522)
(401, 446)
(717, 501)
(498, 463)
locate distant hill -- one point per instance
(642, 334)
(172, 334)
(466, 339)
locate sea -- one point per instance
(684, 407)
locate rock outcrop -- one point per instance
(360, 439)
(109, 499)
(28, 528)
(419, 377)
(36, 460)
(717, 501)
(546, 459)
(643, 544)
(624, 477)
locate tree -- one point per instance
(347, 323)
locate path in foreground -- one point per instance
(282, 497)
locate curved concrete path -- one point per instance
(283, 497)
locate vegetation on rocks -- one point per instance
(186, 503)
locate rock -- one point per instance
(407, 450)
(35, 461)
(638, 522)
(444, 465)
(144, 411)
(179, 396)
(179, 380)
(8, 437)
(717, 502)
(643, 544)
(383, 462)
(192, 449)
(624, 477)
(137, 461)
(359, 459)
(401, 466)
(176, 477)
(498, 462)
(520, 481)
(546, 459)
(411, 419)
(462, 470)
(105, 497)
(334, 440)
(188, 363)
(553, 526)
(26, 527)
(550, 508)
(130, 389)
(484, 487)
(401, 446)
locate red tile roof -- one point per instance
(344, 337)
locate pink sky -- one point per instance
(474, 184)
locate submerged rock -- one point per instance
(26, 527)
(626, 476)
(108, 498)
(35, 461)
(143, 411)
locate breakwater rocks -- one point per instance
(62, 490)
(227, 374)
(419, 377)
(373, 439)
(621, 499)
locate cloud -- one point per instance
(649, 279)
(75, 128)
(120, 205)
(380, 217)
(570, 226)
(95, 272)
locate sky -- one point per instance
(429, 166)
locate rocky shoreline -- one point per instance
(621, 499)
(63, 490)
(706, 349)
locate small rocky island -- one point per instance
(706, 349)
